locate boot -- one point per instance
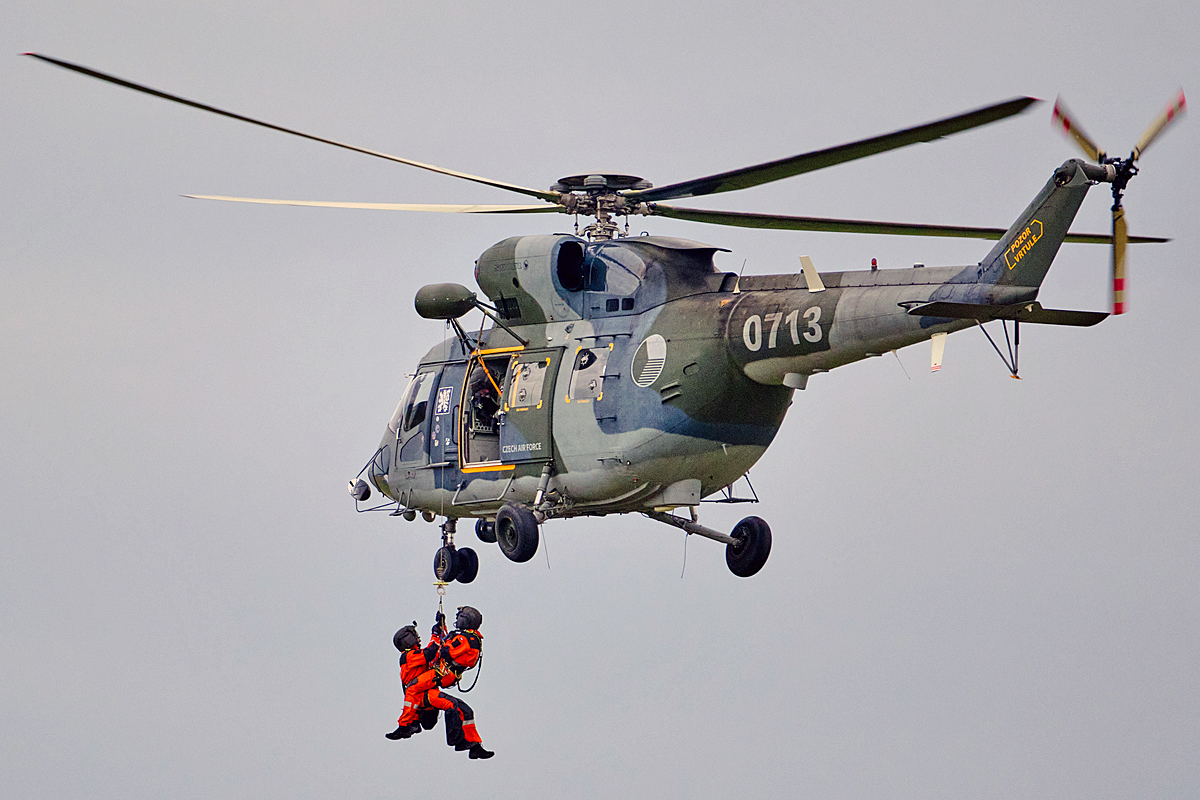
(463, 744)
(404, 731)
(477, 751)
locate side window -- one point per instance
(414, 448)
(525, 388)
(587, 376)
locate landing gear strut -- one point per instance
(746, 549)
(451, 563)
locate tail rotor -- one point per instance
(1120, 171)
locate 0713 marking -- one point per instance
(752, 331)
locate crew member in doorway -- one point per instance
(485, 400)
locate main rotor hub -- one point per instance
(599, 196)
(598, 183)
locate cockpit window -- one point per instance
(414, 406)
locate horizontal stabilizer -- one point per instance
(1020, 312)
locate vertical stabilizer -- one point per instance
(1025, 252)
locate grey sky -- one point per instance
(979, 587)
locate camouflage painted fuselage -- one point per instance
(649, 379)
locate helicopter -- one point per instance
(627, 374)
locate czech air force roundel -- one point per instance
(649, 359)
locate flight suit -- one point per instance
(461, 651)
(417, 677)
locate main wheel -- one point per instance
(748, 555)
(468, 564)
(517, 532)
(485, 529)
(445, 564)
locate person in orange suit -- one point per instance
(426, 672)
(415, 662)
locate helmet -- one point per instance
(468, 618)
(407, 638)
(480, 379)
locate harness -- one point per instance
(461, 652)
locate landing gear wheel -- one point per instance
(485, 529)
(468, 565)
(517, 532)
(753, 546)
(446, 564)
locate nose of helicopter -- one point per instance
(371, 478)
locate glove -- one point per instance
(439, 620)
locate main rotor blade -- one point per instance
(1172, 112)
(440, 207)
(743, 219)
(819, 159)
(547, 196)
(1062, 118)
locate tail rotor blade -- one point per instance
(1118, 261)
(1172, 112)
(1062, 118)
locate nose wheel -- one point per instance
(456, 564)
(452, 563)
